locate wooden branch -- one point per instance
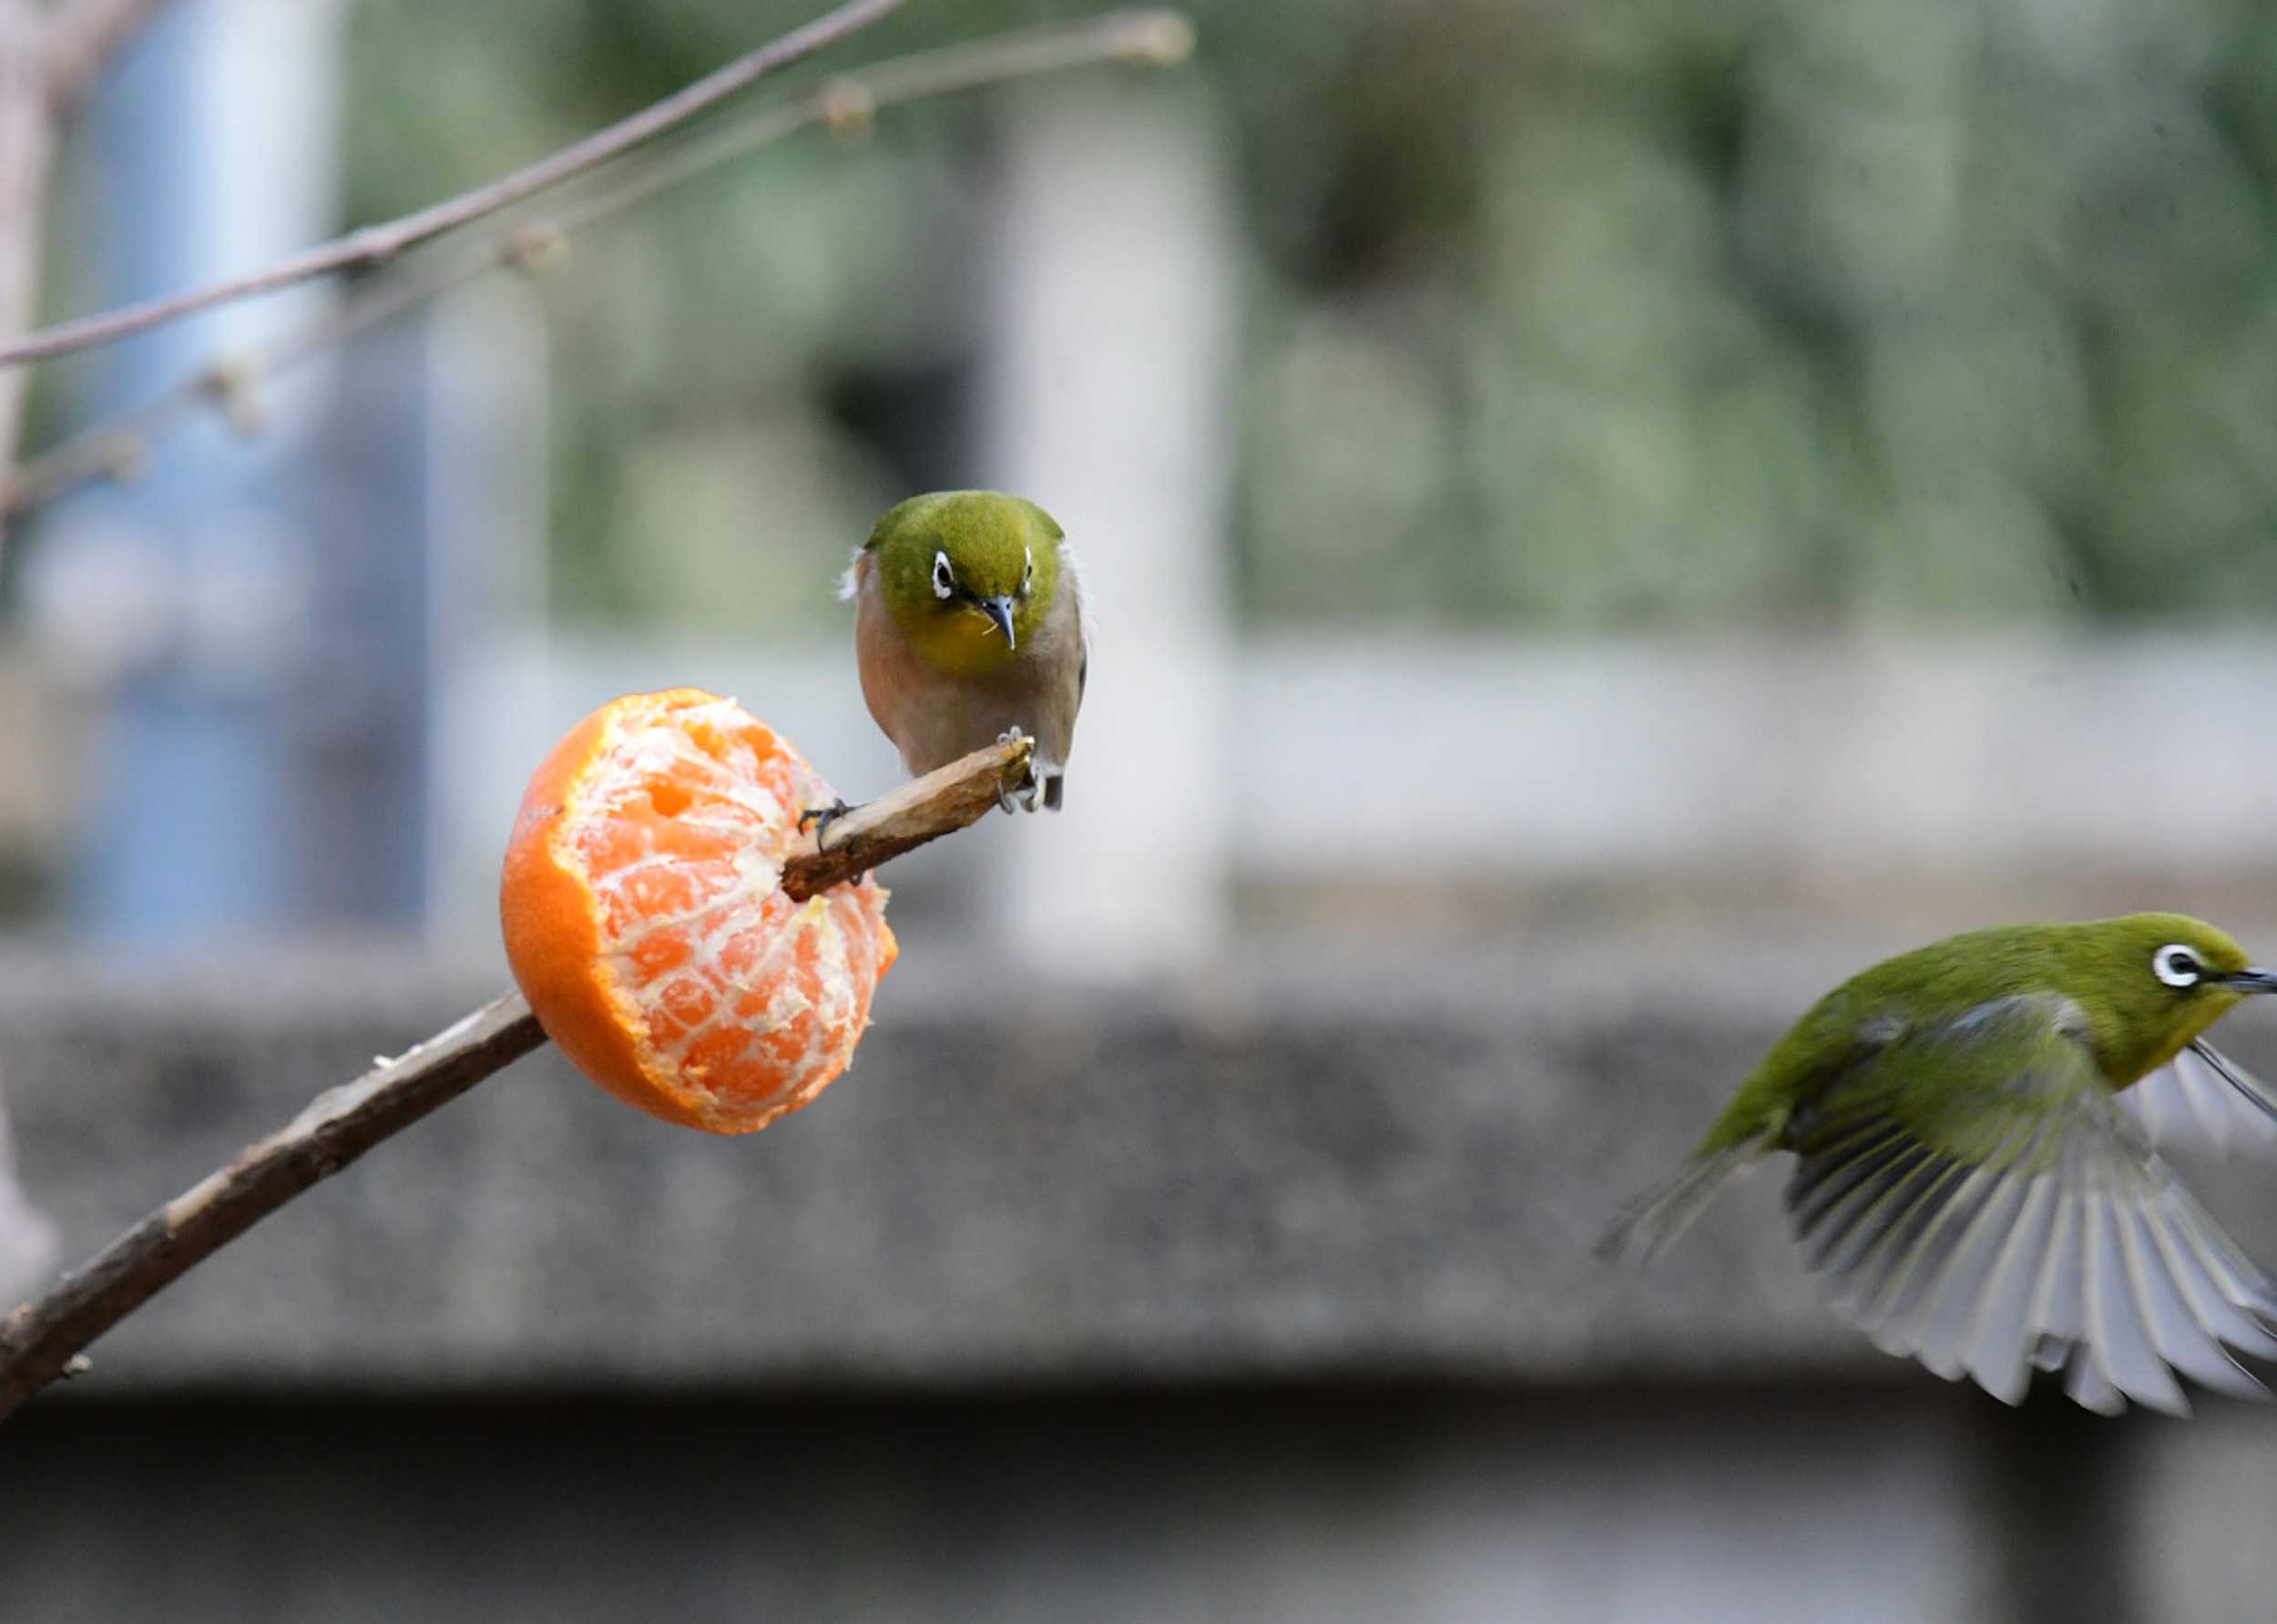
(375, 245)
(116, 447)
(43, 1339)
(39, 1341)
(83, 36)
(945, 801)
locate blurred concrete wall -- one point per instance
(1264, 1293)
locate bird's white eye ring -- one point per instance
(2177, 966)
(944, 578)
(1027, 576)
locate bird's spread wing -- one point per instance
(2203, 1100)
(1985, 1206)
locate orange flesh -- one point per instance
(645, 924)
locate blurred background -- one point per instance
(1604, 518)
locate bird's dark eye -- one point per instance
(944, 578)
(2176, 966)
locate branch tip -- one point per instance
(536, 247)
(848, 109)
(945, 801)
(1161, 39)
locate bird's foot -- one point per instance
(1028, 795)
(823, 817)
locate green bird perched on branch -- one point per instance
(1966, 1172)
(968, 628)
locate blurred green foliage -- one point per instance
(1568, 312)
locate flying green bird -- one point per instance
(1974, 1175)
(968, 628)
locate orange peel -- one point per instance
(645, 923)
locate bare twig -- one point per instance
(1148, 36)
(41, 1340)
(83, 36)
(116, 447)
(48, 60)
(375, 245)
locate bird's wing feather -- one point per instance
(1983, 1205)
(2203, 1100)
(1071, 573)
(1648, 1225)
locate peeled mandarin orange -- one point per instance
(647, 925)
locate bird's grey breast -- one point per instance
(934, 717)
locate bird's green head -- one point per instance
(969, 576)
(2150, 983)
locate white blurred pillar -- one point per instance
(1105, 401)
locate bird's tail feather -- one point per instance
(1651, 1222)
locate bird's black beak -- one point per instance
(2251, 979)
(999, 609)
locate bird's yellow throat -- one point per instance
(965, 644)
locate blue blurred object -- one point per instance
(261, 595)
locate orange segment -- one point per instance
(646, 927)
